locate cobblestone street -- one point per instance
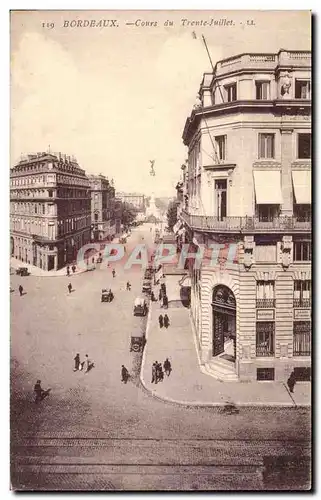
(49, 326)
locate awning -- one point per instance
(302, 186)
(268, 187)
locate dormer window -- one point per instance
(230, 91)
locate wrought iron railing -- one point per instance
(301, 302)
(212, 223)
(264, 349)
(265, 303)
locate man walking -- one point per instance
(166, 321)
(68, 270)
(291, 382)
(128, 286)
(20, 290)
(160, 373)
(167, 367)
(124, 374)
(160, 321)
(69, 287)
(114, 273)
(88, 363)
(77, 362)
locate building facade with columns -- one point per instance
(249, 195)
(103, 220)
(49, 210)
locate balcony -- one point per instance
(248, 225)
(265, 303)
(301, 303)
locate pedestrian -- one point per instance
(154, 373)
(73, 268)
(124, 374)
(160, 321)
(166, 321)
(167, 367)
(128, 286)
(88, 363)
(114, 273)
(20, 290)
(69, 287)
(68, 270)
(160, 373)
(165, 302)
(77, 362)
(291, 382)
(160, 295)
(40, 393)
(152, 297)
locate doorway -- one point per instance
(224, 323)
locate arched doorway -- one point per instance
(224, 323)
(11, 246)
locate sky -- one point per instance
(116, 98)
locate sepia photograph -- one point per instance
(160, 250)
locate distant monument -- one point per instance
(152, 209)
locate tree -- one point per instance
(128, 214)
(172, 214)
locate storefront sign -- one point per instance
(265, 314)
(302, 314)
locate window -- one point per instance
(265, 374)
(262, 90)
(302, 89)
(302, 338)
(302, 250)
(304, 146)
(302, 212)
(302, 293)
(265, 338)
(50, 193)
(265, 294)
(230, 91)
(43, 209)
(96, 217)
(266, 146)
(302, 374)
(267, 213)
(220, 143)
(36, 209)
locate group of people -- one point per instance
(163, 321)
(73, 268)
(87, 364)
(40, 393)
(158, 372)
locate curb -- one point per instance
(199, 404)
(36, 275)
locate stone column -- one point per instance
(286, 172)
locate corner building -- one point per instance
(50, 210)
(249, 185)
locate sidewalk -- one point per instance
(188, 385)
(36, 271)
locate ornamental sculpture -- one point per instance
(286, 85)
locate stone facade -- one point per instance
(248, 183)
(103, 217)
(49, 210)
